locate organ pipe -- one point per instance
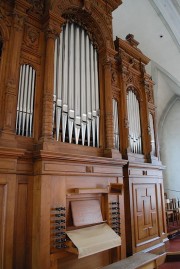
(153, 145)
(25, 104)
(116, 124)
(76, 87)
(134, 122)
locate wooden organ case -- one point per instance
(143, 182)
(72, 156)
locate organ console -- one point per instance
(80, 177)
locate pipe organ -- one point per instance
(134, 122)
(78, 145)
(25, 103)
(76, 89)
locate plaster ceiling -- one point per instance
(155, 24)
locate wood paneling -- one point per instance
(143, 208)
(145, 212)
(7, 209)
(20, 237)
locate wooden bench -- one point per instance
(139, 260)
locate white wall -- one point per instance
(170, 148)
(163, 94)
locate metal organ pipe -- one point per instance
(71, 83)
(116, 124)
(76, 87)
(83, 89)
(25, 105)
(88, 90)
(134, 122)
(96, 94)
(153, 146)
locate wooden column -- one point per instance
(52, 30)
(108, 105)
(124, 114)
(11, 90)
(47, 128)
(147, 135)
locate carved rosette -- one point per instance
(31, 37)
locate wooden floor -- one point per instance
(173, 253)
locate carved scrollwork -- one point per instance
(92, 15)
(149, 92)
(81, 19)
(124, 73)
(31, 37)
(38, 6)
(4, 17)
(130, 79)
(150, 96)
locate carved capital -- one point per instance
(50, 32)
(124, 73)
(18, 21)
(114, 78)
(4, 17)
(52, 26)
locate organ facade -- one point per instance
(78, 143)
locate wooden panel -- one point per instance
(7, 165)
(145, 212)
(108, 170)
(3, 198)
(63, 167)
(92, 262)
(21, 227)
(7, 204)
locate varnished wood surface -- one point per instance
(39, 174)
